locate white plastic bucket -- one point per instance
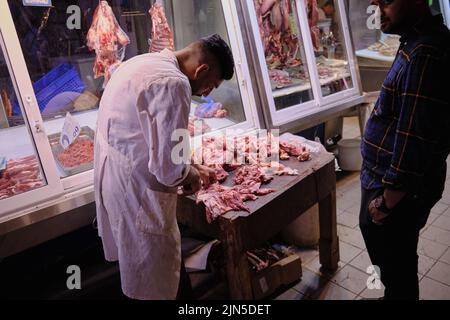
(349, 157)
(304, 232)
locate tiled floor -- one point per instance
(349, 282)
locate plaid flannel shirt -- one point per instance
(407, 138)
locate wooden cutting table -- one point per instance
(242, 231)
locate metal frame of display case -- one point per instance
(320, 108)
(34, 125)
(253, 116)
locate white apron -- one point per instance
(134, 178)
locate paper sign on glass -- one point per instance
(70, 132)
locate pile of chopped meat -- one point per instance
(219, 200)
(251, 173)
(295, 149)
(280, 78)
(325, 72)
(78, 153)
(162, 35)
(20, 176)
(221, 154)
(107, 39)
(248, 181)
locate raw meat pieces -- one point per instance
(279, 42)
(218, 200)
(221, 153)
(80, 152)
(162, 36)
(280, 77)
(221, 174)
(295, 149)
(249, 179)
(276, 168)
(253, 173)
(20, 176)
(107, 39)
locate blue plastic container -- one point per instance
(62, 78)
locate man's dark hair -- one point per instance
(216, 46)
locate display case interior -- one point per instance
(20, 168)
(304, 56)
(330, 48)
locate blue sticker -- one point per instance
(37, 3)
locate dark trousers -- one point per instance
(185, 291)
(393, 246)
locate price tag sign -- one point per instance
(70, 132)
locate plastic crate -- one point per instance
(62, 78)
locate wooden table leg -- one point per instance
(329, 242)
(237, 267)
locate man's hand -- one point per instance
(391, 200)
(192, 184)
(393, 197)
(207, 175)
(376, 215)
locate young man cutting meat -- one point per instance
(406, 144)
(136, 180)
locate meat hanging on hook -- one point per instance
(107, 38)
(279, 40)
(161, 35)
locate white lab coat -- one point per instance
(135, 180)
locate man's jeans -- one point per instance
(393, 246)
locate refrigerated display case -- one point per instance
(27, 171)
(304, 60)
(47, 75)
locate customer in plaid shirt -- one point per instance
(406, 144)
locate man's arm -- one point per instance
(163, 107)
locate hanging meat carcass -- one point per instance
(108, 40)
(313, 19)
(162, 35)
(279, 42)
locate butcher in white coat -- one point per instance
(136, 181)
